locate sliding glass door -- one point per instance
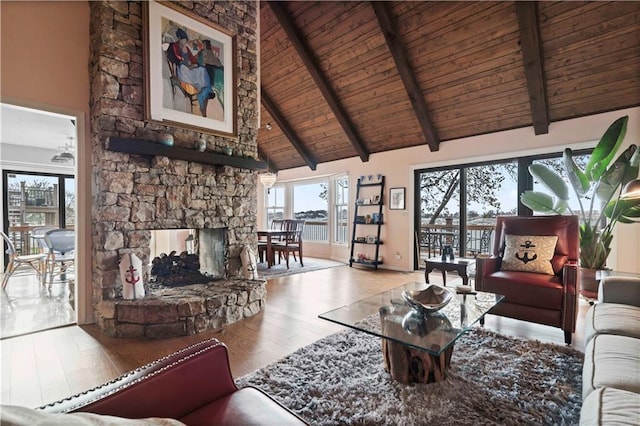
(33, 200)
(457, 205)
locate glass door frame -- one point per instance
(61, 198)
(525, 182)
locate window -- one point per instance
(341, 210)
(557, 164)
(275, 203)
(458, 204)
(310, 204)
(321, 203)
(34, 200)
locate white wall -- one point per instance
(398, 167)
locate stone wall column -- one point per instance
(134, 194)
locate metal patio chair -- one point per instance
(38, 262)
(62, 245)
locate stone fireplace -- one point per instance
(136, 194)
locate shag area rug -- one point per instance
(310, 264)
(493, 380)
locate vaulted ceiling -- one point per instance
(349, 79)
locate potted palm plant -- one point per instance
(597, 188)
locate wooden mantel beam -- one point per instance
(388, 27)
(309, 60)
(287, 130)
(532, 55)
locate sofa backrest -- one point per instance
(170, 387)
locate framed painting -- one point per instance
(396, 198)
(189, 70)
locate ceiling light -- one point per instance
(267, 179)
(63, 157)
(65, 154)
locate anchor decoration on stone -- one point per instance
(132, 283)
(526, 247)
(131, 272)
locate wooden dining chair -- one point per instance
(278, 224)
(292, 242)
(35, 261)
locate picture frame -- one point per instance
(189, 70)
(371, 239)
(397, 198)
(375, 199)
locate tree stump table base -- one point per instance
(408, 365)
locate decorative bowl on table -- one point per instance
(416, 323)
(431, 299)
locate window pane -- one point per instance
(33, 200)
(557, 164)
(310, 204)
(275, 204)
(492, 190)
(341, 210)
(70, 201)
(439, 210)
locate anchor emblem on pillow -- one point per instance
(525, 247)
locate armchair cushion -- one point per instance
(529, 253)
(536, 290)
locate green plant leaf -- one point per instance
(550, 179)
(631, 215)
(613, 177)
(539, 202)
(624, 211)
(606, 148)
(633, 170)
(577, 177)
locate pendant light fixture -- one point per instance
(267, 179)
(65, 153)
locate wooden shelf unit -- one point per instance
(356, 223)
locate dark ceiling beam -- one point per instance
(287, 130)
(531, 45)
(309, 60)
(388, 27)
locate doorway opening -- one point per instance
(39, 195)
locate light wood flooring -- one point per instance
(49, 365)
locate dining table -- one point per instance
(270, 234)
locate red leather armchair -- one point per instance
(193, 385)
(543, 299)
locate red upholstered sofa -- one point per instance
(193, 385)
(534, 297)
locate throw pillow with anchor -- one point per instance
(529, 253)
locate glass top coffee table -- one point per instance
(416, 347)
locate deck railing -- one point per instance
(433, 237)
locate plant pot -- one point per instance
(589, 284)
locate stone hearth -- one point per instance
(181, 311)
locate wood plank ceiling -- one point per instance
(348, 79)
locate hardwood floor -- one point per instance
(50, 365)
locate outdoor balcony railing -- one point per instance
(434, 236)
